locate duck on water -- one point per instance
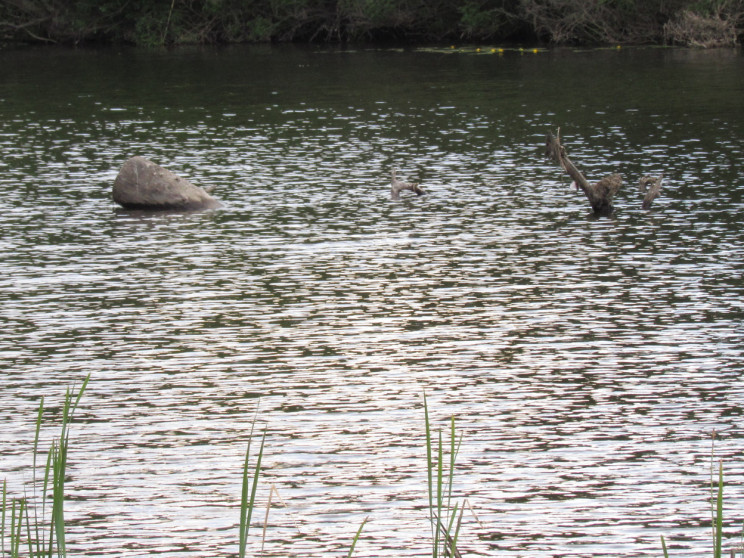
(397, 186)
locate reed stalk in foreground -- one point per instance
(44, 533)
(248, 495)
(445, 528)
(716, 509)
(356, 538)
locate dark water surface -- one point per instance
(587, 360)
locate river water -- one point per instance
(587, 361)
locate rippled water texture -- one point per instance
(587, 360)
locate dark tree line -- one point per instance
(158, 22)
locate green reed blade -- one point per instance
(254, 486)
(450, 546)
(246, 501)
(663, 547)
(80, 392)
(441, 512)
(451, 523)
(718, 539)
(429, 468)
(51, 473)
(12, 526)
(28, 513)
(356, 537)
(453, 454)
(47, 471)
(17, 522)
(36, 435)
(2, 521)
(29, 541)
(59, 498)
(457, 531)
(39, 418)
(439, 494)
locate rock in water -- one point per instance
(142, 184)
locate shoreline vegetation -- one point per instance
(697, 23)
(34, 523)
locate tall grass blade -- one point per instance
(17, 528)
(457, 532)
(244, 502)
(663, 547)
(451, 472)
(39, 417)
(712, 500)
(356, 537)
(718, 539)
(429, 467)
(29, 538)
(58, 512)
(41, 529)
(44, 492)
(248, 496)
(440, 467)
(442, 514)
(80, 393)
(2, 521)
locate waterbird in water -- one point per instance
(396, 186)
(650, 187)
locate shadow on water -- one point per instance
(587, 359)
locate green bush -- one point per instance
(157, 22)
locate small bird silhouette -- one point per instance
(396, 186)
(650, 187)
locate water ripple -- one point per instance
(587, 360)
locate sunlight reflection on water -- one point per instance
(587, 360)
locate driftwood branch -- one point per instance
(600, 193)
(650, 187)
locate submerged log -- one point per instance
(600, 193)
(142, 184)
(650, 187)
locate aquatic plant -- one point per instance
(43, 520)
(248, 494)
(716, 507)
(717, 513)
(445, 529)
(356, 538)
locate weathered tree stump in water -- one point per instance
(650, 187)
(142, 184)
(600, 193)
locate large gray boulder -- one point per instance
(142, 184)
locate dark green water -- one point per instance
(587, 360)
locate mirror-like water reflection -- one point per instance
(587, 360)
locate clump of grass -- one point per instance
(41, 523)
(716, 510)
(444, 517)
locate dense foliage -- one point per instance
(157, 22)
